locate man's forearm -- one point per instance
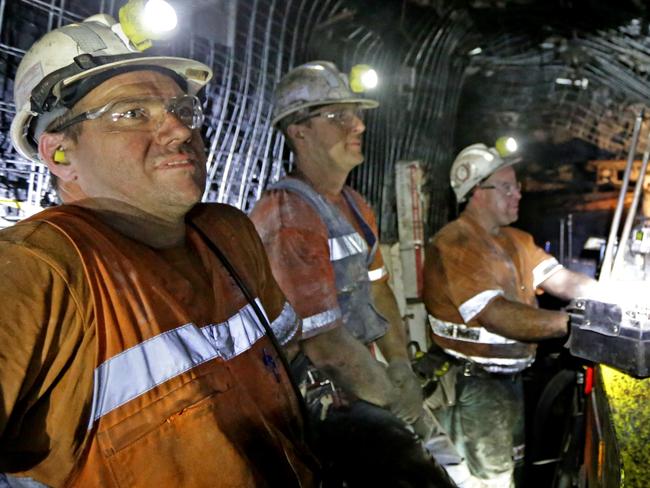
(567, 284)
(522, 322)
(349, 363)
(393, 343)
(365, 377)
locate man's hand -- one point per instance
(407, 403)
(349, 363)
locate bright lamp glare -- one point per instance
(511, 144)
(370, 79)
(159, 16)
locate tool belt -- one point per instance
(319, 392)
(429, 366)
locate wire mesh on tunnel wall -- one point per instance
(243, 152)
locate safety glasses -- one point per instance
(344, 117)
(142, 114)
(507, 189)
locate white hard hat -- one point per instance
(472, 165)
(313, 84)
(68, 62)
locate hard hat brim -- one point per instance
(18, 138)
(365, 103)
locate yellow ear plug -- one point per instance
(59, 157)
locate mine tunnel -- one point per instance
(559, 88)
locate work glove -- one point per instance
(407, 402)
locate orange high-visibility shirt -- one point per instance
(123, 365)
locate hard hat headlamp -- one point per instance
(506, 146)
(144, 21)
(362, 78)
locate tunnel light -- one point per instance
(363, 77)
(506, 145)
(583, 83)
(579, 83)
(145, 20)
(475, 51)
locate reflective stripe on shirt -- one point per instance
(377, 274)
(345, 246)
(544, 270)
(286, 325)
(463, 333)
(495, 365)
(140, 368)
(9, 481)
(313, 322)
(475, 305)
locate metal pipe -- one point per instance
(617, 268)
(562, 260)
(569, 235)
(606, 267)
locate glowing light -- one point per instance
(511, 144)
(370, 79)
(363, 77)
(579, 83)
(145, 21)
(159, 16)
(506, 145)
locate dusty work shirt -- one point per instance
(466, 268)
(53, 351)
(296, 241)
